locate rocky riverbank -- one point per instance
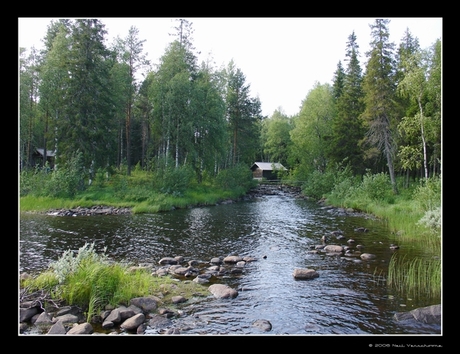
(152, 315)
(143, 315)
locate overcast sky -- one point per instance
(282, 58)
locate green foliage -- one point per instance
(90, 280)
(376, 187)
(172, 180)
(312, 127)
(318, 184)
(63, 182)
(238, 177)
(32, 181)
(244, 116)
(275, 137)
(101, 177)
(428, 196)
(428, 193)
(68, 180)
(70, 262)
(143, 191)
(344, 189)
(46, 280)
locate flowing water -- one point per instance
(350, 296)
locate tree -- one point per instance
(172, 95)
(339, 81)
(130, 52)
(276, 138)
(54, 79)
(408, 159)
(379, 95)
(312, 129)
(85, 123)
(144, 109)
(433, 107)
(347, 127)
(414, 85)
(28, 100)
(243, 117)
(209, 135)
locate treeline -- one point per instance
(79, 97)
(385, 118)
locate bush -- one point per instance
(320, 184)
(70, 262)
(237, 177)
(428, 193)
(31, 182)
(344, 189)
(376, 187)
(432, 220)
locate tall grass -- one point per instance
(91, 281)
(418, 277)
(414, 218)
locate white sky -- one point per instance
(282, 58)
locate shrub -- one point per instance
(428, 193)
(169, 179)
(69, 262)
(234, 178)
(344, 189)
(376, 187)
(68, 179)
(432, 220)
(318, 184)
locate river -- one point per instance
(350, 296)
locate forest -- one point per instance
(83, 102)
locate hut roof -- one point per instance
(268, 166)
(41, 152)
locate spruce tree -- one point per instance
(379, 88)
(347, 127)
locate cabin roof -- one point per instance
(268, 166)
(41, 152)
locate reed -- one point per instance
(417, 277)
(403, 214)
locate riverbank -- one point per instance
(169, 310)
(258, 191)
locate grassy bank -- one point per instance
(156, 201)
(142, 191)
(414, 217)
(89, 280)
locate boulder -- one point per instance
(305, 273)
(222, 291)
